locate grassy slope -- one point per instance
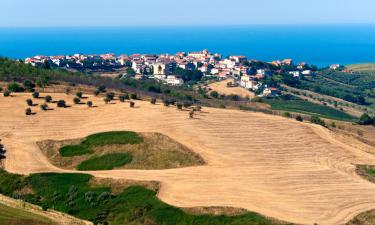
(309, 108)
(365, 67)
(105, 162)
(72, 193)
(101, 139)
(10, 215)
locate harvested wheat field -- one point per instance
(271, 165)
(222, 88)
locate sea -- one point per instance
(319, 45)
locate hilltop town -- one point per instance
(182, 68)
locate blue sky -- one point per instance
(29, 13)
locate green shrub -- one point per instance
(6, 93)
(110, 95)
(61, 104)
(48, 98)
(317, 120)
(76, 100)
(153, 101)
(214, 94)
(29, 102)
(35, 94)
(79, 94)
(28, 112)
(133, 95)
(105, 162)
(131, 104)
(15, 87)
(44, 107)
(89, 104)
(299, 118)
(179, 106)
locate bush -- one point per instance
(89, 104)
(153, 101)
(96, 92)
(35, 94)
(28, 112)
(179, 106)
(102, 88)
(6, 93)
(61, 104)
(286, 114)
(317, 120)
(299, 118)
(29, 102)
(44, 107)
(110, 95)
(79, 94)
(132, 104)
(48, 98)
(14, 87)
(1, 89)
(107, 100)
(214, 94)
(365, 119)
(187, 104)
(166, 102)
(133, 95)
(76, 100)
(122, 98)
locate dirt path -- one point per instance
(274, 166)
(56, 217)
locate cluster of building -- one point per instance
(162, 67)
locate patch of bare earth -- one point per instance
(157, 151)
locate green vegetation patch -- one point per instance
(309, 108)
(10, 215)
(73, 194)
(105, 162)
(100, 139)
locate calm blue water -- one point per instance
(317, 44)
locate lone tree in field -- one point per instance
(79, 94)
(89, 104)
(96, 92)
(76, 100)
(107, 100)
(122, 98)
(131, 104)
(6, 93)
(35, 94)
(29, 102)
(61, 104)
(48, 98)
(28, 112)
(153, 101)
(110, 95)
(44, 107)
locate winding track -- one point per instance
(275, 166)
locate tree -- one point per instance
(131, 104)
(1, 89)
(14, 87)
(110, 95)
(89, 104)
(153, 101)
(44, 107)
(299, 118)
(96, 92)
(79, 94)
(29, 102)
(317, 120)
(35, 94)
(214, 94)
(365, 119)
(6, 93)
(166, 102)
(29, 85)
(76, 100)
(43, 81)
(102, 88)
(122, 98)
(191, 114)
(28, 112)
(61, 104)
(48, 98)
(179, 106)
(133, 95)
(107, 100)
